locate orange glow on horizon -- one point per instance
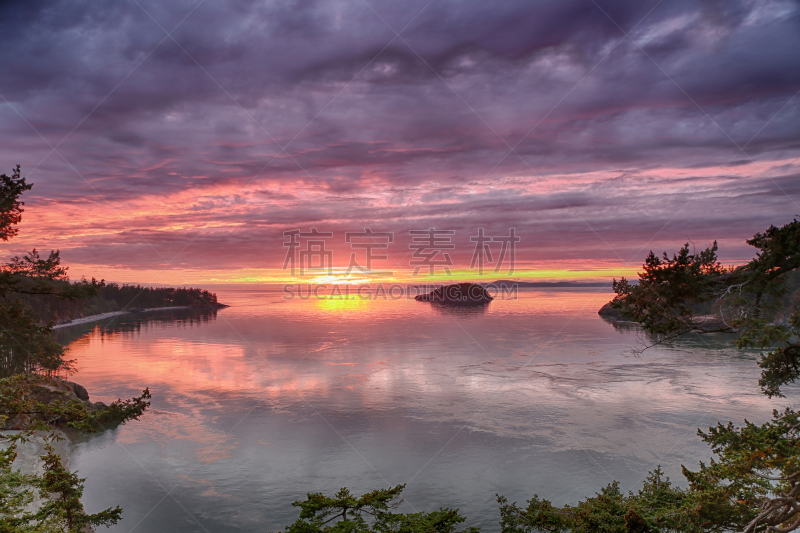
(180, 277)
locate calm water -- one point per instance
(269, 399)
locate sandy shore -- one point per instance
(103, 316)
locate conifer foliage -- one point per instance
(373, 512)
(30, 397)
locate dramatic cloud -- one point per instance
(191, 135)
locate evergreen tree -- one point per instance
(753, 300)
(11, 187)
(63, 510)
(29, 355)
(25, 345)
(370, 513)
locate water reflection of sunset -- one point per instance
(307, 347)
(345, 303)
(540, 380)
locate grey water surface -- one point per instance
(258, 404)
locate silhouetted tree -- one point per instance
(370, 513)
(11, 187)
(25, 345)
(753, 300)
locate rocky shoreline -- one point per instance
(608, 311)
(53, 390)
(701, 323)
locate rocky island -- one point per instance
(457, 294)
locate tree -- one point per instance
(16, 492)
(344, 513)
(751, 300)
(29, 355)
(752, 487)
(11, 187)
(665, 299)
(658, 506)
(754, 484)
(63, 510)
(25, 345)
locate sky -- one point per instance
(176, 142)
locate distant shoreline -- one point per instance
(102, 316)
(551, 284)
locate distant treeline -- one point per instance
(115, 297)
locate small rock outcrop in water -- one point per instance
(79, 390)
(457, 294)
(608, 311)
